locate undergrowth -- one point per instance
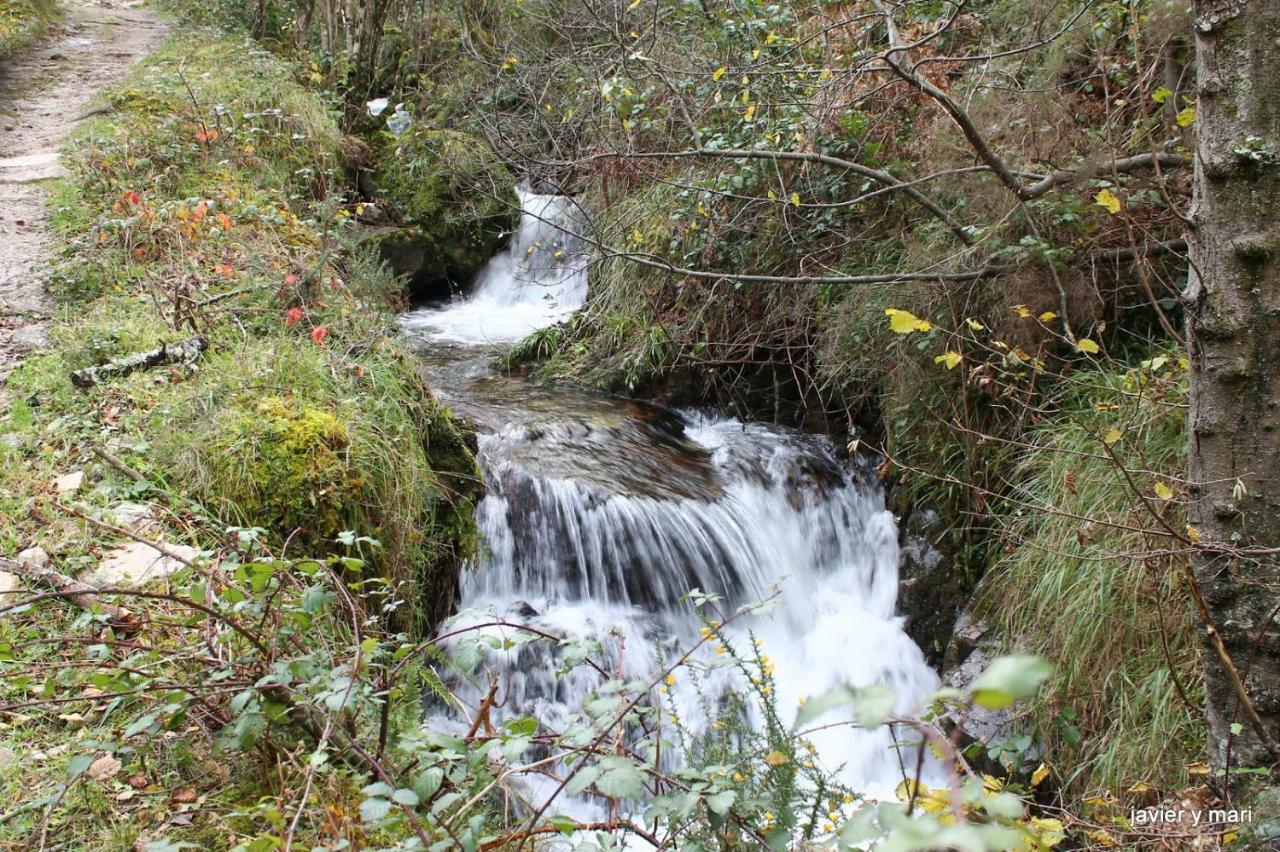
(1091, 578)
(208, 203)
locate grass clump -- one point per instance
(1091, 580)
(22, 22)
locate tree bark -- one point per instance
(1233, 310)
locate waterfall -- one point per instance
(602, 515)
(539, 278)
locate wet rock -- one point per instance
(973, 647)
(453, 195)
(933, 582)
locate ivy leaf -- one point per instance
(1107, 200)
(905, 322)
(1009, 679)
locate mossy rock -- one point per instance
(455, 195)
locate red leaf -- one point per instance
(291, 279)
(319, 333)
(292, 316)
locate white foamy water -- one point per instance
(537, 280)
(601, 516)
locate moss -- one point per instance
(454, 192)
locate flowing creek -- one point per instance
(602, 514)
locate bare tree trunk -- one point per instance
(1233, 302)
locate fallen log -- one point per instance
(180, 352)
(82, 594)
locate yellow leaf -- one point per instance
(950, 358)
(1230, 837)
(905, 322)
(1041, 773)
(1193, 534)
(1047, 316)
(1087, 346)
(795, 199)
(773, 196)
(751, 112)
(776, 758)
(1163, 491)
(974, 325)
(1140, 787)
(1197, 769)
(1102, 838)
(1186, 117)
(1107, 200)
(1021, 310)
(634, 3)
(1112, 436)
(1161, 94)
(1097, 801)
(718, 73)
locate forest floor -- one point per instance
(43, 95)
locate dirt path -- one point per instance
(43, 95)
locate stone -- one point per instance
(69, 483)
(10, 585)
(933, 581)
(136, 563)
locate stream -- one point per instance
(603, 514)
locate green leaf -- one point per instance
(428, 782)
(1161, 94)
(1009, 679)
(406, 797)
(374, 809)
(79, 765)
(584, 778)
(621, 779)
(721, 802)
(566, 825)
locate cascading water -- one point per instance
(602, 515)
(537, 280)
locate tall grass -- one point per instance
(1085, 579)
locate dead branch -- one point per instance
(181, 352)
(82, 594)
